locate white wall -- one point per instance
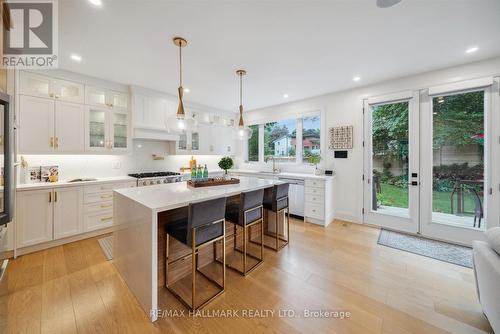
(345, 108)
(76, 166)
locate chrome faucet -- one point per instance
(275, 170)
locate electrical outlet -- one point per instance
(117, 165)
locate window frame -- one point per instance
(299, 158)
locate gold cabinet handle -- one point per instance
(57, 96)
(106, 218)
(51, 141)
(50, 197)
(108, 196)
(1, 140)
(56, 144)
(55, 196)
(106, 206)
(51, 94)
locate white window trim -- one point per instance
(298, 130)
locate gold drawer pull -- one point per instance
(106, 206)
(106, 218)
(108, 196)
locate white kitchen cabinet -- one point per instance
(69, 127)
(34, 217)
(36, 125)
(68, 204)
(207, 140)
(37, 85)
(101, 97)
(106, 130)
(47, 126)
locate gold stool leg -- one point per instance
(193, 273)
(167, 244)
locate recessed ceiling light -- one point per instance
(96, 2)
(76, 57)
(472, 49)
(285, 96)
(356, 78)
(186, 90)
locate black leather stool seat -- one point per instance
(179, 230)
(277, 198)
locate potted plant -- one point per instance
(315, 159)
(226, 163)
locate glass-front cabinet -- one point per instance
(42, 86)
(101, 97)
(107, 130)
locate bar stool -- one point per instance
(203, 226)
(276, 200)
(246, 213)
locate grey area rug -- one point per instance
(439, 250)
(107, 246)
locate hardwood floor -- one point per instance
(73, 289)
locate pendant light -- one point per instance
(181, 122)
(244, 132)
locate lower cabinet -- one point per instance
(57, 213)
(67, 212)
(34, 217)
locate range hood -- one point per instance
(154, 134)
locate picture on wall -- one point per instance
(340, 137)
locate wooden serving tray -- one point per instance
(211, 182)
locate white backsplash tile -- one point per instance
(140, 160)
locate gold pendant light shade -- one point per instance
(243, 132)
(181, 43)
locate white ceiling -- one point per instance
(302, 48)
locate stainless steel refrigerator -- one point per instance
(6, 181)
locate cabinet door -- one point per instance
(68, 91)
(182, 144)
(34, 217)
(68, 204)
(155, 117)
(119, 131)
(96, 133)
(117, 99)
(36, 125)
(95, 96)
(35, 85)
(69, 127)
(139, 110)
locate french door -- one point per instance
(391, 168)
(429, 159)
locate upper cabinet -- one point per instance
(101, 97)
(43, 86)
(53, 117)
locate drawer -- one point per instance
(313, 198)
(315, 183)
(97, 207)
(314, 210)
(314, 191)
(107, 187)
(97, 220)
(98, 197)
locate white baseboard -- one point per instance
(348, 217)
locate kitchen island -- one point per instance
(138, 217)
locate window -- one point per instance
(253, 144)
(280, 140)
(311, 137)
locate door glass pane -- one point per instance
(70, 90)
(97, 128)
(182, 142)
(97, 96)
(280, 140)
(253, 144)
(390, 162)
(458, 159)
(195, 141)
(311, 138)
(119, 100)
(119, 130)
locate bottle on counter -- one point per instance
(199, 173)
(193, 173)
(205, 173)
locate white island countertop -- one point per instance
(175, 195)
(65, 183)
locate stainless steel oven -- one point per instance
(6, 181)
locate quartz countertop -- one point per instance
(65, 183)
(170, 196)
(283, 174)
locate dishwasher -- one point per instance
(295, 195)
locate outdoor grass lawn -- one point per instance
(398, 197)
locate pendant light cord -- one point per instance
(241, 88)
